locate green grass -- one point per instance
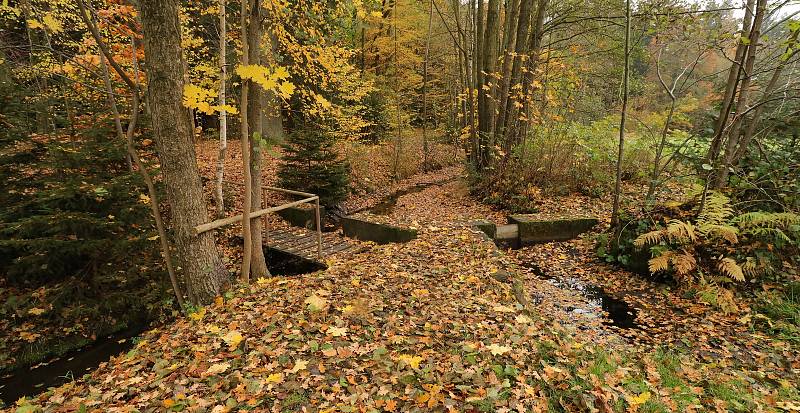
(779, 313)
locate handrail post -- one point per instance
(319, 232)
(266, 219)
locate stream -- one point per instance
(30, 381)
(386, 206)
(614, 311)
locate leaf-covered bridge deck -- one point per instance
(304, 243)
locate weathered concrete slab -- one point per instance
(507, 232)
(534, 230)
(301, 217)
(372, 231)
(488, 227)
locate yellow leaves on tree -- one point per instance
(274, 79)
(200, 99)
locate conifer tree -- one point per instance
(311, 164)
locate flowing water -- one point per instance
(614, 311)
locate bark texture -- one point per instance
(202, 273)
(258, 263)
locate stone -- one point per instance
(536, 230)
(301, 217)
(364, 230)
(488, 227)
(502, 276)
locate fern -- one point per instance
(729, 267)
(660, 263)
(716, 211)
(759, 219)
(727, 232)
(680, 231)
(649, 238)
(684, 263)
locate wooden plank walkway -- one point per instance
(303, 243)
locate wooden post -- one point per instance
(319, 231)
(266, 221)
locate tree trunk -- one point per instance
(615, 220)
(425, 148)
(513, 23)
(203, 272)
(516, 127)
(721, 178)
(508, 111)
(247, 247)
(791, 50)
(734, 74)
(491, 45)
(219, 198)
(258, 264)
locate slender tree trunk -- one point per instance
(513, 23)
(534, 50)
(734, 74)
(791, 50)
(425, 148)
(245, 143)
(615, 220)
(508, 111)
(490, 51)
(127, 137)
(219, 198)
(203, 272)
(258, 263)
(744, 95)
(398, 146)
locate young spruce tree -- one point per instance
(311, 164)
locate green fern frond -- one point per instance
(716, 211)
(759, 219)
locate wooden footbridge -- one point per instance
(311, 245)
(307, 244)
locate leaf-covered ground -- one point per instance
(444, 322)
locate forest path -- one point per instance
(568, 282)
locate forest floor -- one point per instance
(446, 322)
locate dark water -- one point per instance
(616, 312)
(283, 263)
(30, 381)
(73, 365)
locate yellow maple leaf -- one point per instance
(410, 360)
(36, 311)
(641, 399)
(286, 89)
(52, 23)
(497, 349)
(198, 315)
(233, 338)
(218, 368)
(274, 378)
(337, 331)
(316, 303)
(299, 365)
